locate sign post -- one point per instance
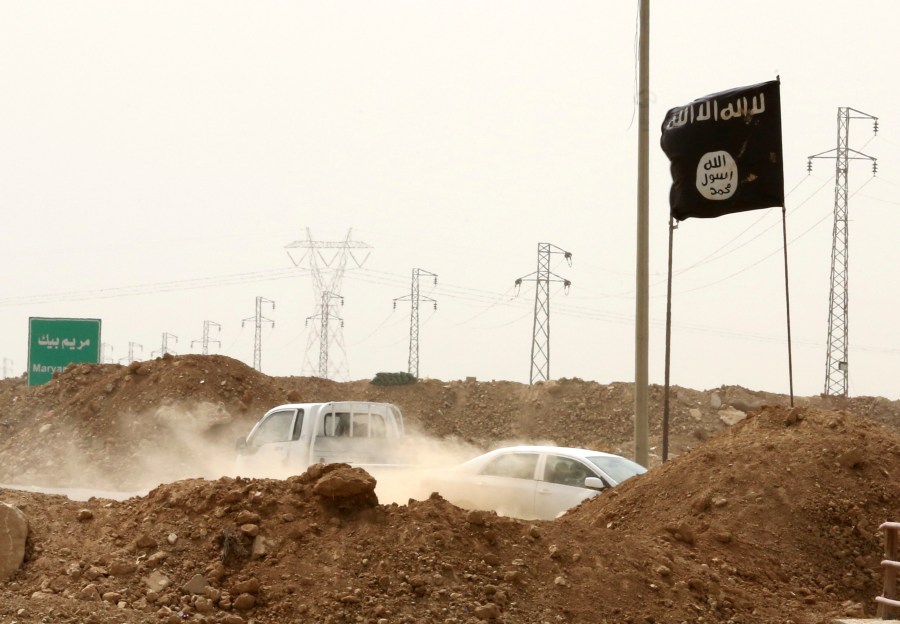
(54, 343)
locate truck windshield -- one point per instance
(276, 428)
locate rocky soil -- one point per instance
(762, 512)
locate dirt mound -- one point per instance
(765, 513)
(779, 515)
(133, 427)
(107, 426)
(774, 519)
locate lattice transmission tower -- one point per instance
(414, 297)
(258, 321)
(324, 316)
(164, 346)
(327, 262)
(133, 347)
(206, 341)
(540, 343)
(837, 352)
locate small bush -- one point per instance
(393, 379)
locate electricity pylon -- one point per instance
(7, 367)
(205, 341)
(414, 298)
(164, 348)
(540, 343)
(324, 316)
(837, 352)
(327, 262)
(131, 356)
(259, 320)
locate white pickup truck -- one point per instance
(289, 438)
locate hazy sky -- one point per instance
(157, 157)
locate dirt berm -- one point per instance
(771, 519)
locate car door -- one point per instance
(506, 484)
(561, 486)
(269, 446)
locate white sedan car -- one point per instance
(531, 482)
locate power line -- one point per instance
(151, 288)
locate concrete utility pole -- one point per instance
(164, 348)
(205, 341)
(414, 298)
(327, 262)
(259, 320)
(540, 343)
(7, 368)
(642, 265)
(837, 353)
(323, 316)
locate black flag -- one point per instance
(725, 151)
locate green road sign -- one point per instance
(54, 343)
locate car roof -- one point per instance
(559, 450)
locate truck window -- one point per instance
(275, 428)
(337, 425)
(377, 428)
(298, 425)
(360, 425)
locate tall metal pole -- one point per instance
(642, 277)
(324, 315)
(164, 348)
(205, 341)
(836, 356)
(258, 320)
(414, 298)
(131, 347)
(540, 342)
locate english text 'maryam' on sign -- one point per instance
(54, 343)
(725, 152)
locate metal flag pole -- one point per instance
(665, 420)
(787, 298)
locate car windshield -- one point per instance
(618, 468)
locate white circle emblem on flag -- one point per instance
(717, 175)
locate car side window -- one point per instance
(298, 425)
(275, 428)
(514, 465)
(566, 471)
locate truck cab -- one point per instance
(291, 437)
